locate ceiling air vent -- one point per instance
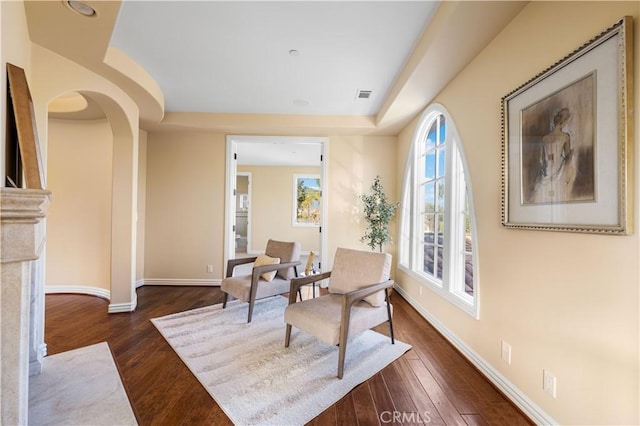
(363, 94)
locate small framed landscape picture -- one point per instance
(567, 140)
(307, 196)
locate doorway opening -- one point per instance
(243, 214)
(269, 203)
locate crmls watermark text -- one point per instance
(405, 417)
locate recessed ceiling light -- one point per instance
(294, 52)
(81, 7)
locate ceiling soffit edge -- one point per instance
(85, 41)
(470, 25)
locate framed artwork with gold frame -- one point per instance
(567, 141)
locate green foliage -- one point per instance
(308, 200)
(378, 212)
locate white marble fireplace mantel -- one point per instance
(21, 297)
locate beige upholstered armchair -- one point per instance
(358, 300)
(270, 275)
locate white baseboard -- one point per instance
(116, 308)
(94, 291)
(182, 282)
(77, 289)
(512, 392)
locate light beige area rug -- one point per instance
(253, 377)
(79, 387)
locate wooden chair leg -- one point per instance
(287, 337)
(344, 335)
(386, 298)
(224, 301)
(251, 302)
(342, 350)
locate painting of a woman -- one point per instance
(556, 172)
(558, 146)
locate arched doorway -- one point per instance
(92, 169)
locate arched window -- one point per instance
(437, 232)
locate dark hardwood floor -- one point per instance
(432, 380)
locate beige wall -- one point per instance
(354, 162)
(79, 219)
(185, 205)
(272, 207)
(15, 48)
(185, 199)
(565, 302)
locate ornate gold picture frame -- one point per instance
(567, 140)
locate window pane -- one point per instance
(428, 258)
(431, 137)
(439, 264)
(440, 218)
(441, 161)
(429, 197)
(467, 228)
(443, 130)
(467, 245)
(429, 226)
(308, 195)
(468, 274)
(440, 195)
(430, 165)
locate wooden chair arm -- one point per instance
(348, 300)
(232, 263)
(296, 283)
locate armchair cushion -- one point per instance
(240, 287)
(353, 269)
(321, 317)
(286, 252)
(262, 260)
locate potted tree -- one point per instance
(378, 213)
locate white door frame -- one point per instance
(230, 201)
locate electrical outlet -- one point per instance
(506, 352)
(549, 383)
(209, 268)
